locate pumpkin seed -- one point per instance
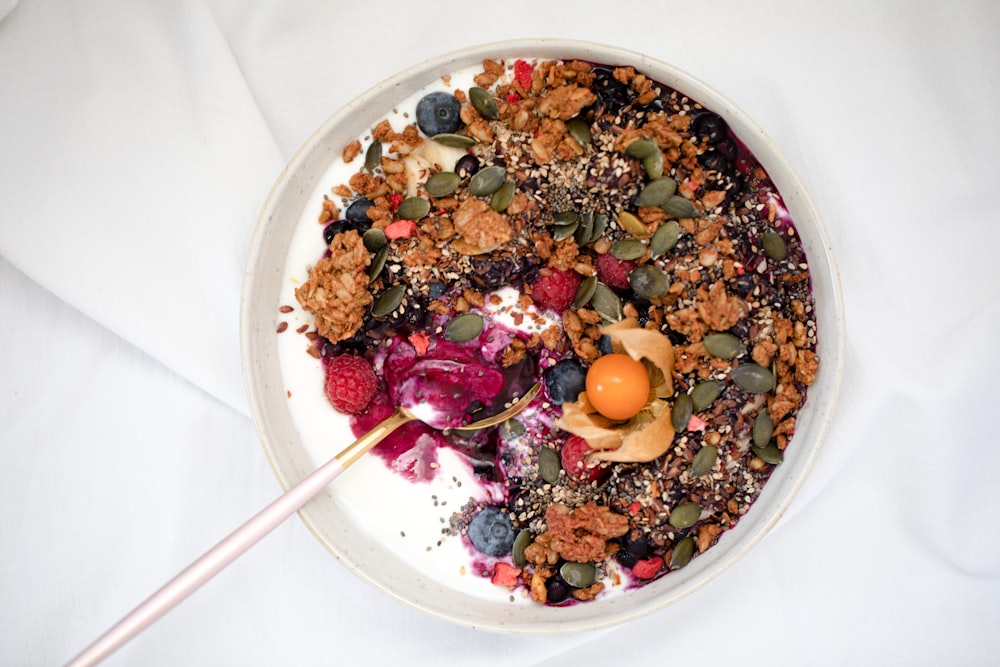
(723, 345)
(565, 231)
(549, 465)
(642, 148)
(373, 156)
(374, 240)
(606, 303)
(484, 103)
(657, 193)
(442, 184)
(653, 165)
(665, 238)
(454, 140)
(649, 282)
(413, 208)
(464, 327)
(628, 249)
(681, 413)
(585, 292)
(705, 393)
(378, 262)
(486, 181)
(389, 300)
(579, 130)
(763, 428)
(585, 229)
(704, 460)
(770, 454)
(678, 207)
(600, 224)
(774, 246)
(685, 515)
(578, 575)
(521, 543)
(753, 378)
(683, 553)
(631, 224)
(502, 198)
(511, 429)
(565, 218)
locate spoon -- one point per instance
(262, 523)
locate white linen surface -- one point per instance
(138, 142)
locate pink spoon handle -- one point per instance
(233, 546)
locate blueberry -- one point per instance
(491, 532)
(744, 284)
(334, 228)
(484, 469)
(489, 274)
(626, 559)
(565, 381)
(556, 589)
(642, 307)
(604, 345)
(638, 547)
(435, 289)
(467, 165)
(736, 191)
(727, 147)
(633, 550)
(709, 126)
(611, 92)
(415, 315)
(713, 161)
(437, 113)
(357, 213)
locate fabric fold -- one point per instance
(135, 165)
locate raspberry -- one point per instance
(574, 454)
(612, 271)
(350, 383)
(557, 290)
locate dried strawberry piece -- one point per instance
(401, 229)
(649, 568)
(696, 423)
(395, 199)
(522, 72)
(420, 341)
(505, 575)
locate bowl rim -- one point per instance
(251, 328)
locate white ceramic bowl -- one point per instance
(337, 517)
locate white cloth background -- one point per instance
(138, 140)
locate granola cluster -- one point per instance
(337, 289)
(578, 535)
(578, 146)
